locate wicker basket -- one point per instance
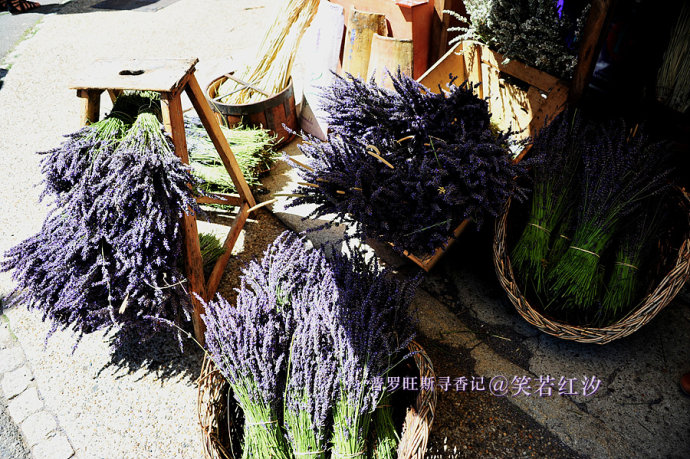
(217, 427)
(649, 307)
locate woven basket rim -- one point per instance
(665, 291)
(413, 440)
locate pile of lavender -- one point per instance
(594, 216)
(407, 164)
(107, 254)
(539, 33)
(306, 348)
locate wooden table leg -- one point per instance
(230, 240)
(209, 121)
(174, 124)
(91, 99)
(114, 94)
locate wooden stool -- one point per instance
(170, 77)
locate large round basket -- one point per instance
(219, 417)
(645, 311)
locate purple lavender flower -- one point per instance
(372, 326)
(408, 165)
(108, 253)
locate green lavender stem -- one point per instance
(530, 253)
(387, 438)
(350, 429)
(263, 435)
(574, 279)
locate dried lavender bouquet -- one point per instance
(250, 341)
(536, 32)
(312, 371)
(106, 256)
(619, 171)
(371, 327)
(634, 244)
(407, 164)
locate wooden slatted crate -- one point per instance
(519, 97)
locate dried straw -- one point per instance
(277, 51)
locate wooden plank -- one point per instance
(531, 76)
(91, 108)
(210, 122)
(453, 62)
(221, 198)
(473, 64)
(552, 105)
(163, 75)
(222, 262)
(360, 31)
(174, 124)
(597, 21)
(429, 261)
(389, 54)
(114, 94)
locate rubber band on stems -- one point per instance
(345, 456)
(308, 453)
(627, 265)
(585, 251)
(540, 227)
(249, 424)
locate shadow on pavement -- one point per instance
(160, 355)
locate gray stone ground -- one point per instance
(141, 402)
(12, 443)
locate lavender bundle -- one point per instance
(555, 155)
(312, 337)
(211, 249)
(371, 325)
(312, 373)
(252, 147)
(408, 165)
(619, 171)
(250, 342)
(107, 254)
(622, 288)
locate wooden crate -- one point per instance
(520, 97)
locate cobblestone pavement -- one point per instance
(12, 443)
(27, 412)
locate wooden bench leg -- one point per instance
(91, 99)
(230, 240)
(174, 124)
(209, 121)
